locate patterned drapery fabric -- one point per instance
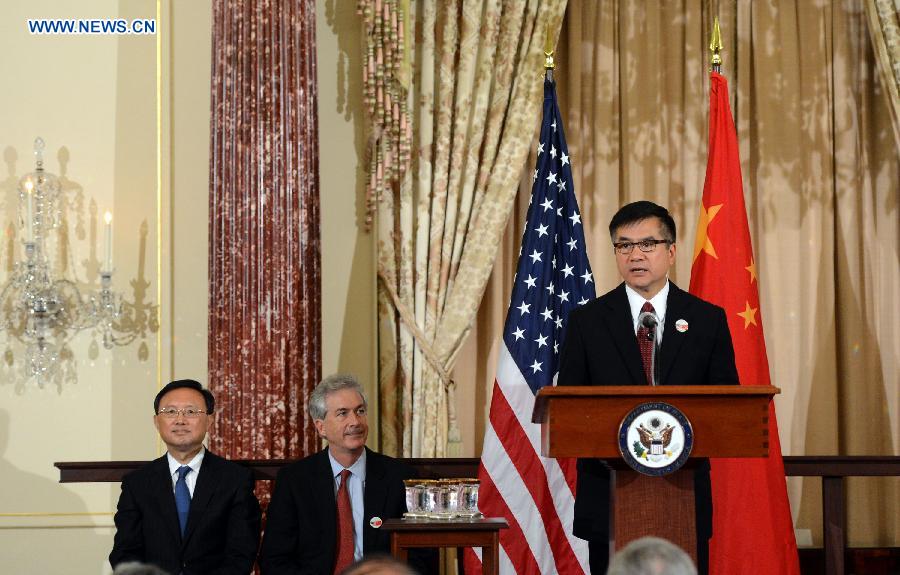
(821, 184)
(884, 28)
(476, 71)
(264, 268)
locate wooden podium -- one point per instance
(727, 421)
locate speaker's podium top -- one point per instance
(583, 421)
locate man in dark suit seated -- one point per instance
(190, 511)
(327, 509)
(601, 347)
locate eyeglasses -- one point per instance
(646, 246)
(188, 412)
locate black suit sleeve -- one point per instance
(572, 364)
(242, 532)
(722, 369)
(129, 539)
(279, 555)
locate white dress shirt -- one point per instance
(190, 478)
(636, 302)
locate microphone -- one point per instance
(648, 320)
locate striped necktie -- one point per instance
(645, 343)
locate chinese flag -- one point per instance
(752, 527)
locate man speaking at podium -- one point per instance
(646, 331)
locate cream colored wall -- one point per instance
(186, 212)
(348, 262)
(142, 148)
(92, 99)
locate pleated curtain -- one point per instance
(471, 75)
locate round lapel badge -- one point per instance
(375, 522)
(655, 438)
(681, 325)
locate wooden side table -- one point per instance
(483, 532)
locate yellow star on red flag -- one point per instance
(702, 242)
(749, 315)
(764, 511)
(752, 269)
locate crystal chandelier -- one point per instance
(40, 307)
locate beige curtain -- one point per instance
(474, 99)
(820, 170)
(884, 28)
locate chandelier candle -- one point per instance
(29, 212)
(107, 217)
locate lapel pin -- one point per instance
(375, 522)
(681, 325)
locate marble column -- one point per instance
(264, 255)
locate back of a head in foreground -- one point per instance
(651, 556)
(137, 568)
(379, 565)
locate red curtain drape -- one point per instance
(264, 256)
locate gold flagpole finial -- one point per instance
(715, 46)
(549, 64)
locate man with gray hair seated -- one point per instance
(327, 509)
(651, 556)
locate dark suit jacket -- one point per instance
(301, 523)
(600, 348)
(222, 533)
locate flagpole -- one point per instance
(536, 495)
(715, 46)
(549, 64)
(750, 501)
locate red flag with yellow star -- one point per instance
(752, 527)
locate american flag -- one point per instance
(535, 494)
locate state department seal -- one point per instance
(655, 438)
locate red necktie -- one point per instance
(645, 343)
(344, 555)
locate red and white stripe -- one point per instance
(535, 494)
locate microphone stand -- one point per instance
(649, 321)
(654, 355)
